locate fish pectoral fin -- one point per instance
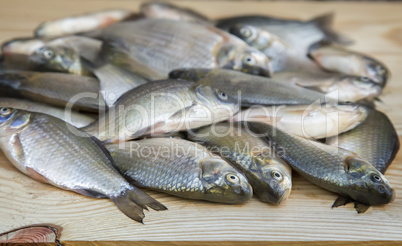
(132, 202)
(89, 193)
(341, 201)
(361, 208)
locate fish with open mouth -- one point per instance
(154, 47)
(180, 168)
(52, 151)
(160, 107)
(270, 177)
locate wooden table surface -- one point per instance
(306, 215)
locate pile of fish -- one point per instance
(215, 110)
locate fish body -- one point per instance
(15, 62)
(45, 148)
(270, 177)
(56, 89)
(339, 59)
(81, 23)
(315, 121)
(161, 107)
(154, 47)
(72, 117)
(340, 87)
(181, 168)
(115, 81)
(161, 10)
(250, 89)
(331, 168)
(87, 48)
(376, 140)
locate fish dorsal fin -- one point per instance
(324, 22)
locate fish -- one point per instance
(344, 88)
(376, 140)
(269, 176)
(181, 168)
(161, 10)
(81, 23)
(336, 58)
(314, 121)
(299, 35)
(72, 117)
(282, 56)
(154, 47)
(334, 169)
(56, 89)
(250, 89)
(115, 81)
(58, 59)
(87, 47)
(160, 107)
(52, 151)
(23, 46)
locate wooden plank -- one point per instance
(305, 216)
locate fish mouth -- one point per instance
(261, 71)
(392, 196)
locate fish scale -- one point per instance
(161, 44)
(375, 140)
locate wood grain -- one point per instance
(305, 216)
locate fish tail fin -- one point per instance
(144, 200)
(324, 22)
(128, 207)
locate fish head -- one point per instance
(242, 57)
(247, 33)
(345, 116)
(369, 185)
(375, 71)
(276, 184)
(12, 120)
(222, 182)
(254, 62)
(59, 59)
(355, 88)
(220, 104)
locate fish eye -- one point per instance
(249, 60)
(277, 175)
(232, 178)
(222, 95)
(5, 111)
(245, 31)
(48, 54)
(375, 177)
